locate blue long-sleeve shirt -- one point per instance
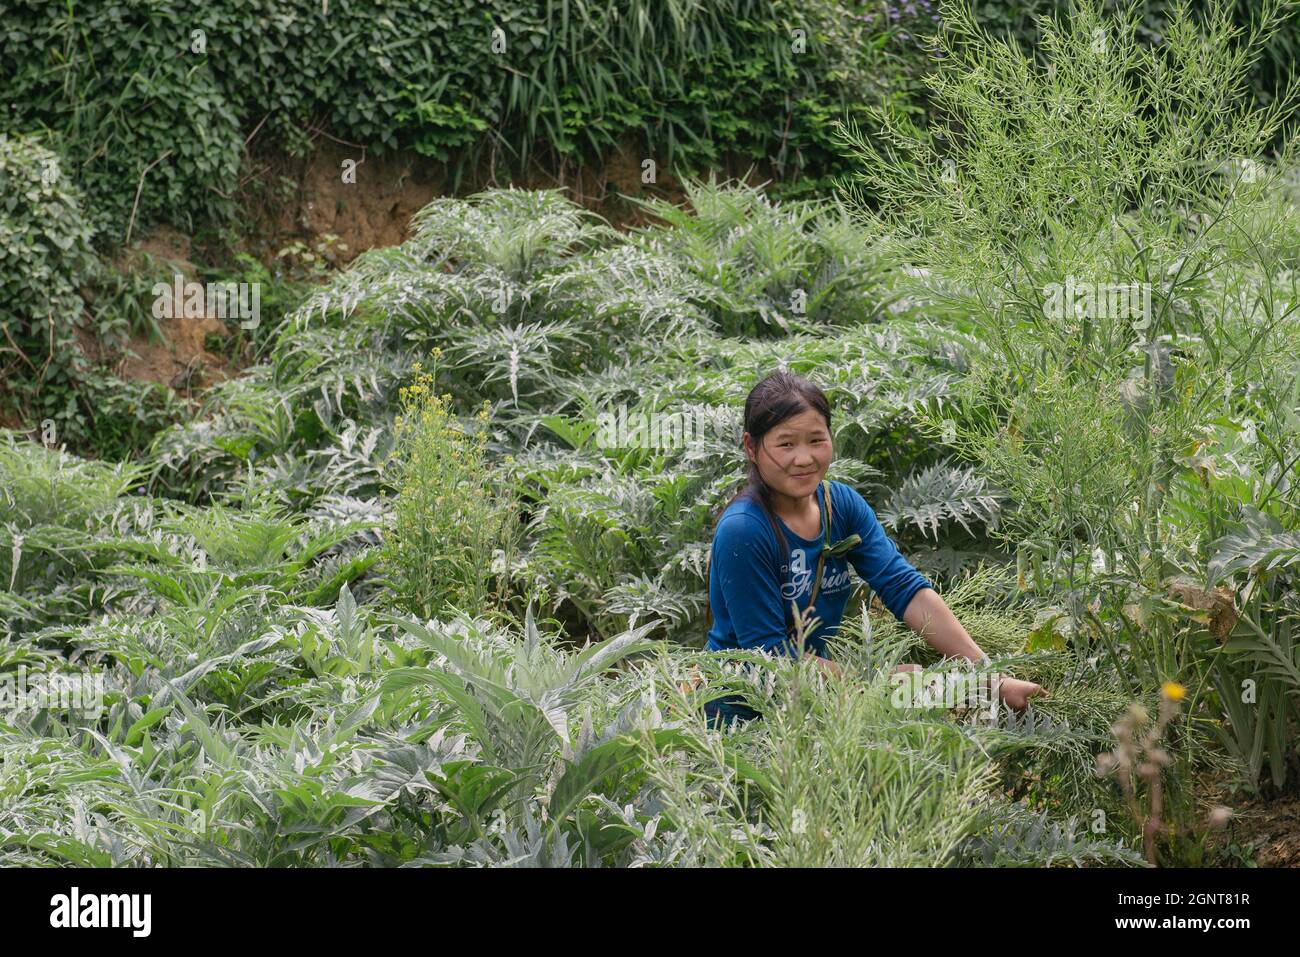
(751, 585)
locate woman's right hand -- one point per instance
(1015, 692)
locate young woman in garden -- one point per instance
(773, 547)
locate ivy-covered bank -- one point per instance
(156, 105)
(163, 96)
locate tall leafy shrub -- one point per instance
(1108, 163)
(452, 521)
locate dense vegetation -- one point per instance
(390, 598)
(270, 669)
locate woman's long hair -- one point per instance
(778, 396)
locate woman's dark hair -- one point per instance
(777, 396)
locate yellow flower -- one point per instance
(1173, 691)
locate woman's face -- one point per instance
(795, 455)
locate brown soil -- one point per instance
(1273, 828)
(372, 211)
(181, 360)
(375, 210)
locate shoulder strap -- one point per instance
(827, 513)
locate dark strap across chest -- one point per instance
(827, 513)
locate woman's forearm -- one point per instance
(928, 616)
